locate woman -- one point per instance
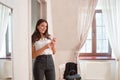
(43, 47)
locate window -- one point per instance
(6, 49)
(97, 43)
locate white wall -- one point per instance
(21, 40)
(64, 17)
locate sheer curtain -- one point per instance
(111, 11)
(4, 17)
(86, 13)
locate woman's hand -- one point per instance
(51, 45)
(53, 42)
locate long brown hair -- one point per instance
(36, 35)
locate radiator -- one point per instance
(95, 70)
(5, 69)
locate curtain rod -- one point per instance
(6, 6)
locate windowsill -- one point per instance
(7, 57)
(95, 58)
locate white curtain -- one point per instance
(86, 13)
(111, 14)
(111, 11)
(4, 17)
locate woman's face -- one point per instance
(42, 27)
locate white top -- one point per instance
(42, 42)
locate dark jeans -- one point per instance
(44, 65)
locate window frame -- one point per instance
(94, 41)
